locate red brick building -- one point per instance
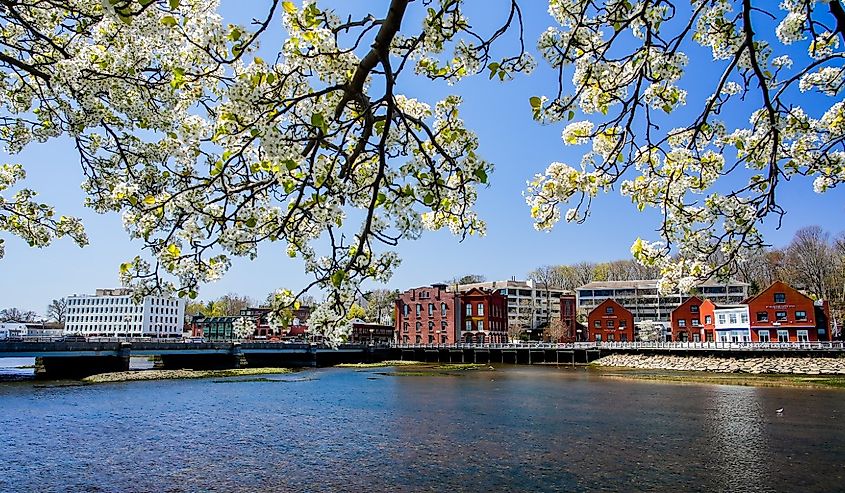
(781, 313)
(610, 321)
(686, 322)
(573, 331)
(484, 316)
(427, 315)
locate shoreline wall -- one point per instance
(804, 366)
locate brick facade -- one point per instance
(483, 316)
(427, 315)
(781, 313)
(687, 322)
(610, 321)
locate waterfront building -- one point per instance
(728, 323)
(213, 328)
(610, 321)
(646, 303)
(371, 333)
(115, 313)
(483, 316)
(781, 313)
(530, 304)
(573, 329)
(17, 330)
(427, 315)
(685, 322)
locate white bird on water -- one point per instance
(779, 411)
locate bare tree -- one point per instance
(231, 304)
(649, 331)
(557, 331)
(16, 315)
(521, 319)
(810, 260)
(57, 309)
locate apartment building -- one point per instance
(427, 315)
(642, 298)
(530, 304)
(114, 313)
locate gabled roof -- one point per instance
(778, 286)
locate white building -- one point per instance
(529, 302)
(113, 313)
(732, 323)
(646, 303)
(18, 330)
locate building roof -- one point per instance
(651, 284)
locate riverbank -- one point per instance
(132, 376)
(754, 366)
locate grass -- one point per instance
(132, 376)
(380, 364)
(744, 379)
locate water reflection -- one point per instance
(739, 447)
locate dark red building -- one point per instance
(781, 313)
(427, 315)
(484, 316)
(610, 321)
(573, 331)
(686, 321)
(367, 333)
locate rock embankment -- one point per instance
(803, 366)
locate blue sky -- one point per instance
(518, 146)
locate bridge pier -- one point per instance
(76, 367)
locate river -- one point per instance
(513, 429)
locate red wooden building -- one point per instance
(781, 313)
(427, 315)
(484, 316)
(610, 321)
(687, 324)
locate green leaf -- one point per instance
(174, 4)
(251, 222)
(481, 175)
(380, 199)
(289, 7)
(428, 199)
(149, 200)
(337, 278)
(535, 102)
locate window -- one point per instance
(611, 324)
(696, 338)
(780, 298)
(780, 316)
(800, 315)
(762, 316)
(743, 317)
(442, 309)
(623, 324)
(469, 309)
(693, 308)
(419, 327)
(598, 337)
(803, 336)
(695, 322)
(610, 337)
(419, 309)
(608, 310)
(469, 325)
(783, 336)
(682, 323)
(763, 335)
(597, 324)
(721, 319)
(430, 326)
(431, 309)
(481, 309)
(732, 317)
(708, 319)
(481, 325)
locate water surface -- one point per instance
(513, 429)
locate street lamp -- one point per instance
(371, 335)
